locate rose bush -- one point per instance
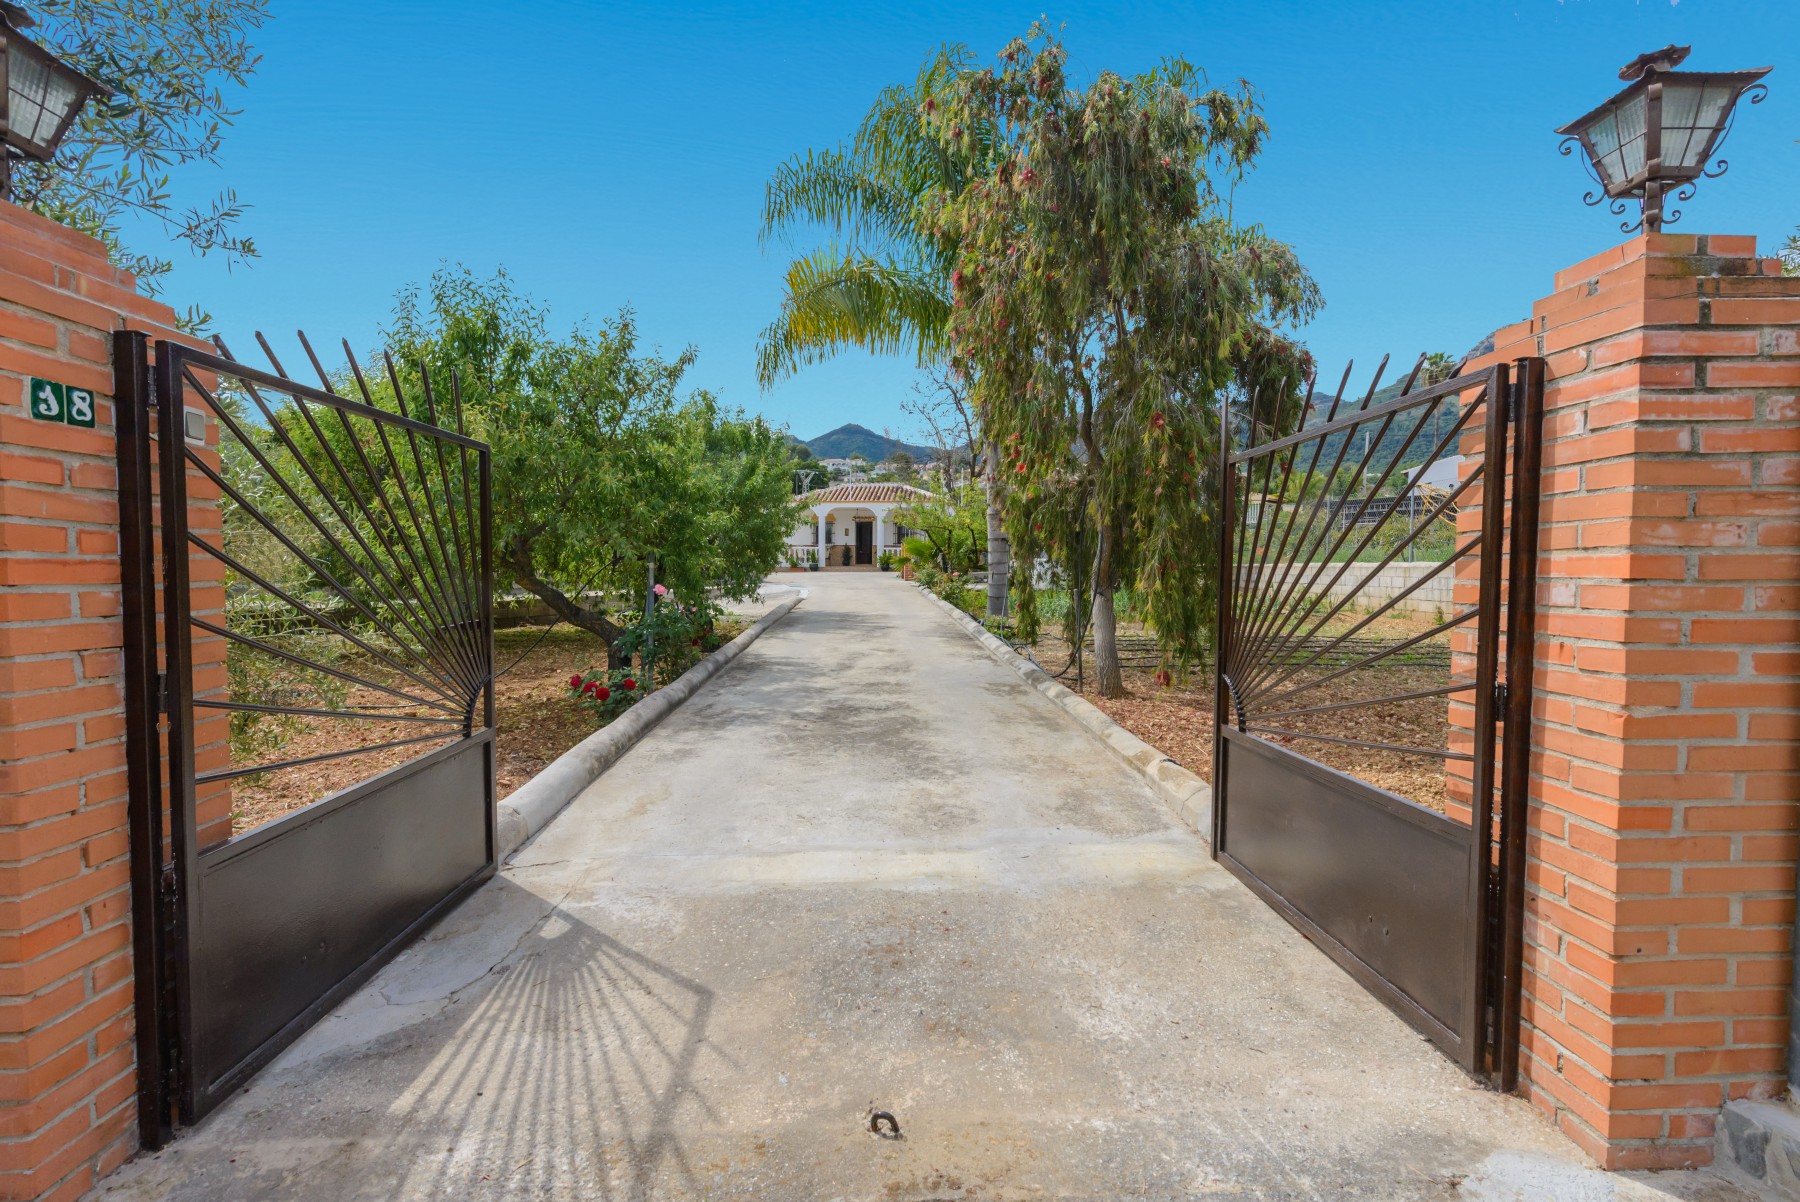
(605, 694)
(673, 637)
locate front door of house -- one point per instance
(865, 542)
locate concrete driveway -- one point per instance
(867, 866)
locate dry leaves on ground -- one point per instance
(535, 722)
(1176, 718)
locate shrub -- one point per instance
(673, 637)
(952, 587)
(606, 694)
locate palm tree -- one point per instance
(880, 283)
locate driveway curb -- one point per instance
(533, 804)
(1184, 793)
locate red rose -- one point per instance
(575, 681)
(592, 687)
(628, 684)
(602, 693)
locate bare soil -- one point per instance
(534, 718)
(1177, 718)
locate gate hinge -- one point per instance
(162, 692)
(171, 889)
(1502, 696)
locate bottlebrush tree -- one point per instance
(1106, 310)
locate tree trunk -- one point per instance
(1108, 679)
(999, 547)
(567, 609)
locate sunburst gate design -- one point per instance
(1374, 663)
(353, 544)
(309, 694)
(1660, 134)
(1305, 557)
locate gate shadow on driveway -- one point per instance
(564, 1070)
(585, 1048)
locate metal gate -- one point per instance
(309, 643)
(1373, 700)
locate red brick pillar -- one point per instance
(67, 1075)
(1662, 848)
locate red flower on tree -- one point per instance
(1157, 421)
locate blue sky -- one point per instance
(614, 154)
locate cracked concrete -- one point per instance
(869, 867)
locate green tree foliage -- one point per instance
(1790, 254)
(600, 461)
(170, 67)
(1105, 306)
(954, 527)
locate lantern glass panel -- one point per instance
(39, 97)
(1616, 139)
(1692, 112)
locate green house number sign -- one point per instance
(53, 402)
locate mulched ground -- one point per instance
(1177, 718)
(535, 723)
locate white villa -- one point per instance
(850, 526)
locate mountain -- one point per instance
(853, 439)
(1399, 434)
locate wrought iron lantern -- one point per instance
(40, 96)
(1660, 134)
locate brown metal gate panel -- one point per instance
(295, 915)
(1375, 636)
(316, 569)
(1363, 872)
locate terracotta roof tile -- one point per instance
(866, 494)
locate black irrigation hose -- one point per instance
(540, 641)
(529, 650)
